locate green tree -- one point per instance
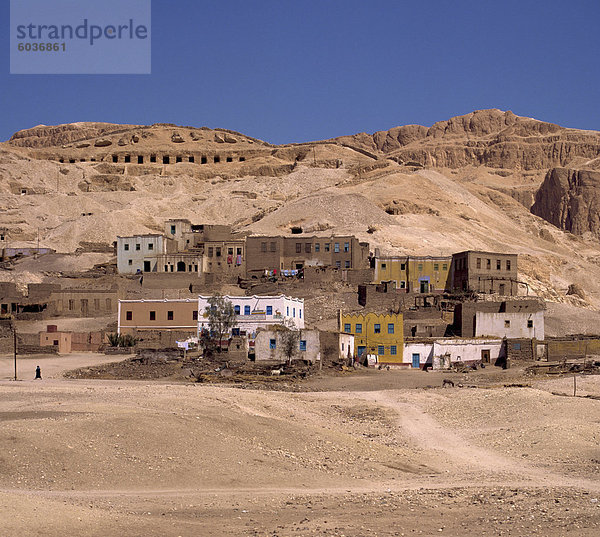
(221, 319)
(290, 342)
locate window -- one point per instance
(516, 346)
(336, 247)
(420, 267)
(489, 264)
(108, 304)
(138, 247)
(436, 267)
(128, 314)
(402, 266)
(236, 309)
(506, 323)
(346, 247)
(308, 247)
(166, 268)
(478, 262)
(346, 264)
(263, 246)
(383, 266)
(229, 251)
(152, 158)
(402, 284)
(390, 328)
(338, 264)
(96, 304)
(347, 327)
(498, 264)
(169, 315)
(359, 328)
(302, 344)
(529, 323)
(246, 310)
(507, 264)
(273, 247)
(153, 316)
(191, 159)
(238, 251)
(444, 266)
(287, 311)
(210, 251)
(327, 247)
(195, 315)
(150, 246)
(269, 310)
(272, 344)
(393, 350)
(293, 312)
(126, 247)
(218, 251)
(130, 262)
(317, 247)
(299, 313)
(380, 350)
(298, 247)
(377, 328)
(173, 229)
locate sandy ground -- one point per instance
(105, 458)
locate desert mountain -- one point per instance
(466, 183)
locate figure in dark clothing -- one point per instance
(38, 373)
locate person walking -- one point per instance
(38, 373)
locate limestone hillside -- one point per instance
(487, 180)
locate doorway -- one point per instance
(416, 360)
(181, 266)
(485, 356)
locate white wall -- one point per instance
(345, 342)
(424, 350)
(283, 310)
(150, 246)
(460, 350)
(494, 325)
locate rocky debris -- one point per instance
(103, 142)
(229, 139)
(570, 199)
(135, 139)
(176, 138)
(82, 145)
(219, 138)
(122, 142)
(576, 289)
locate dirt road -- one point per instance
(137, 458)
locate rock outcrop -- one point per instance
(570, 199)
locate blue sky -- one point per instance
(293, 71)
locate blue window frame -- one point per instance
(246, 310)
(287, 311)
(347, 327)
(390, 328)
(393, 350)
(293, 312)
(300, 313)
(377, 328)
(358, 328)
(346, 247)
(336, 247)
(302, 344)
(269, 310)
(380, 350)
(272, 344)
(236, 309)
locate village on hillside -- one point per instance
(467, 310)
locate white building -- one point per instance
(139, 252)
(254, 312)
(418, 354)
(512, 325)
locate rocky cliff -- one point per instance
(570, 199)
(493, 138)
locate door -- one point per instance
(416, 360)
(485, 356)
(360, 350)
(146, 266)
(502, 290)
(181, 266)
(424, 286)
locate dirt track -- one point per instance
(138, 458)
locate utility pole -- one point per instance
(15, 347)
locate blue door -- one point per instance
(360, 349)
(416, 360)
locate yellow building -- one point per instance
(379, 334)
(414, 274)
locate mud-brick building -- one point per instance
(485, 272)
(139, 253)
(511, 319)
(179, 315)
(414, 274)
(275, 253)
(378, 334)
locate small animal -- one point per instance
(447, 383)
